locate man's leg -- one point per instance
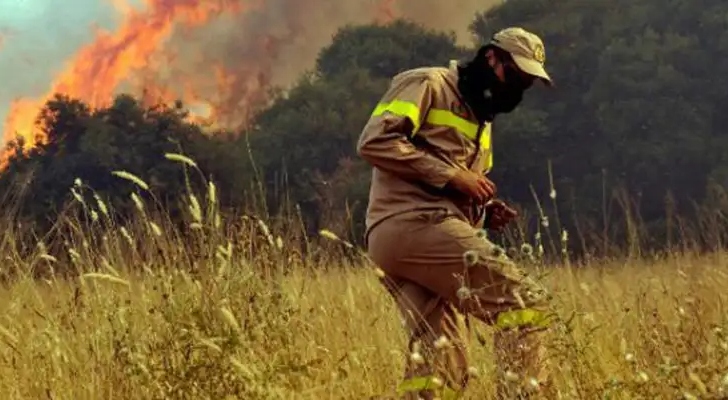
(435, 347)
(446, 256)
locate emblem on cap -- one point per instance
(539, 54)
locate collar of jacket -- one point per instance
(453, 80)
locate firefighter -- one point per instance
(429, 142)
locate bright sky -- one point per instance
(38, 36)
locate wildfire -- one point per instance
(219, 56)
(97, 70)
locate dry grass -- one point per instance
(146, 315)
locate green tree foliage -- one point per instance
(385, 50)
(89, 145)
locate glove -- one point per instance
(498, 214)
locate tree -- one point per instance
(385, 50)
(88, 145)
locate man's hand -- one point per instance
(475, 186)
(498, 214)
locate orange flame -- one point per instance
(97, 70)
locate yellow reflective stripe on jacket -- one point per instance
(401, 108)
(448, 118)
(485, 144)
(527, 317)
(435, 117)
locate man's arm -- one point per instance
(385, 143)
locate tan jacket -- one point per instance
(418, 136)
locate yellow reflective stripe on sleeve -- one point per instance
(527, 317)
(401, 108)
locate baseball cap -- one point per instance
(527, 50)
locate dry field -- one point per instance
(142, 314)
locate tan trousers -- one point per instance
(437, 266)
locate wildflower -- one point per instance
(498, 251)
(552, 194)
(417, 358)
(464, 293)
(526, 249)
(442, 342)
(545, 222)
(470, 258)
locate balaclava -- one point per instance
(484, 92)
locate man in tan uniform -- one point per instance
(429, 141)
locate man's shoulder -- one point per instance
(433, 75)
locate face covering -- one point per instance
(485, 93)
(509, 94)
